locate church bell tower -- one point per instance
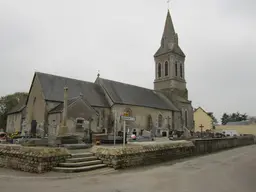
(169, 63)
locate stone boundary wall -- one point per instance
(150, 152)
(216, 144)
(31, 159)
(143, 154)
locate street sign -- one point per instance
(128, 118)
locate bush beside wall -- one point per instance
(31, 159)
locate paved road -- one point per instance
(228, 171)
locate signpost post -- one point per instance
(125, 117)
(124, 134)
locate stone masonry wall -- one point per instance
(217, 144)
(31, 159)
(150, 153)
(143, 154)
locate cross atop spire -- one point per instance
(168, 3)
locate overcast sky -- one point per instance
(77, 38)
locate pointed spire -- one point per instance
(169, 41)
(168, 28)
(169, 31)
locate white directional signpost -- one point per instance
(125, 117)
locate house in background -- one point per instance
(15, 117)
(201, 117)
(241, 127)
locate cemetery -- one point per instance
(64, 150)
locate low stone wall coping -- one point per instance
(136, 148)
(40, 152)
(31, 159)
(137, 154)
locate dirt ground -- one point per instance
(227, 171)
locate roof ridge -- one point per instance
(64, 77)
(127, 84)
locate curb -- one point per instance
(87, 174)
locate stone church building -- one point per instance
(160, 110)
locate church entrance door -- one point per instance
(33, 128)
(164, 134)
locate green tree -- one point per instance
(233, 117)
(7, 103)
(213, 118)
(244, 117)
(224, 119)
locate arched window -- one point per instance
(186, 118)
(176, 69)
(150, 123)
(166, 68)
(160, 120)
(159, 70)
(181, 71)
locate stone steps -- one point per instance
(81, 159)
(77, 146)
(78, 155)
(78, 169)
(80, 162)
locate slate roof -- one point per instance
(183, 100)
(121, 93)
(53, 89)
(93, 93)
(18, 108)
(176, 49)
(59, 108)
